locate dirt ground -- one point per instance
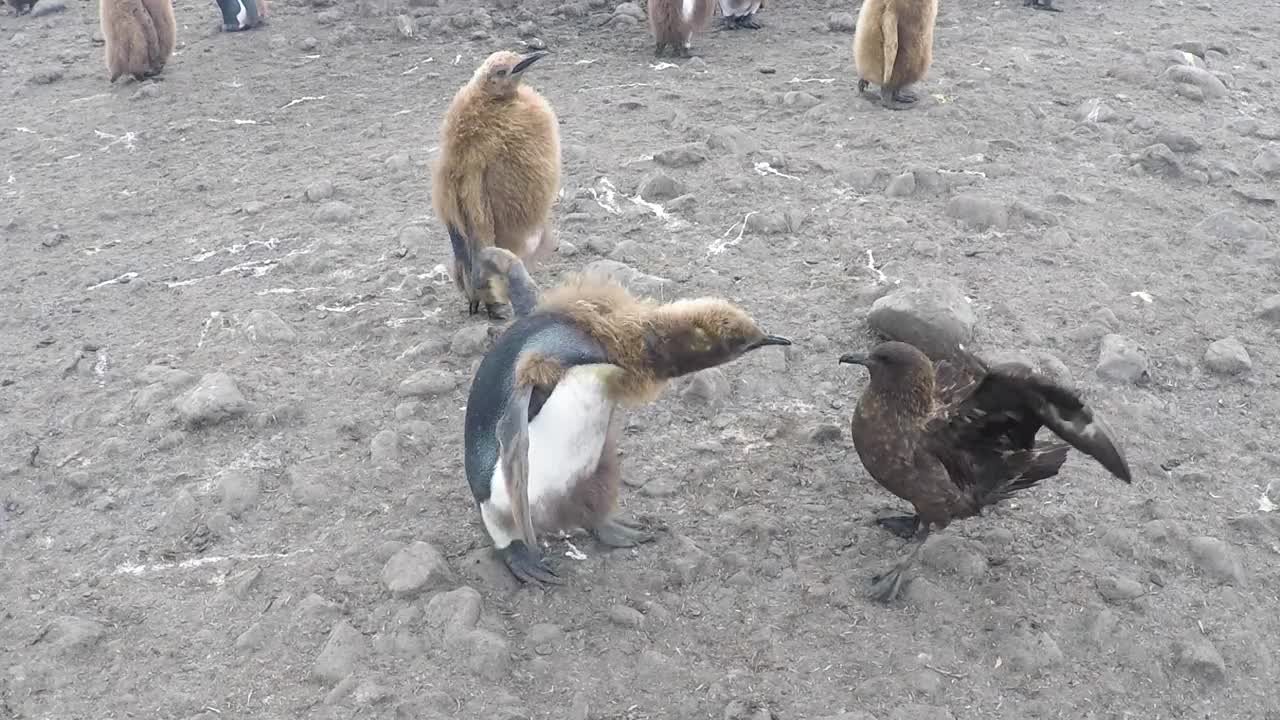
(263, 211)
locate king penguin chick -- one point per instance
(139, 36)
(961, 437)
(740, 13)
(542, 427)
(498, 171)
(673, 22)
(893, 47)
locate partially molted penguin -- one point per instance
(674, 22)
(893, 47)
(740, 13)
(498, 171)
(139, 36)
(542, 423)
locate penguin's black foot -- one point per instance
(898, 99)
(496, 311)
(619, 533)
(684, 52)
(904, 526)
(729, 23)
(884, 588)
(749, 22)
(473, 307)
(528, 565)
(657, 49)
(862, 85)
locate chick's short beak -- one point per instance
(528, 60)
(854, 359)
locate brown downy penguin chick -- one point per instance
(139, 36)
(893, 47)
(961, 437)
(22, 7)
(740, 14)
(542, 426)
(674, 22)
(498, 171)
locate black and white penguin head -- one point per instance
(692, 335)
(501, 72)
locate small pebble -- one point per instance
(415, 569)
(1228, 356)
(626, 616)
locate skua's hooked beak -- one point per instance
(854, 358)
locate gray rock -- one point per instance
(398, 164)
(1227, 356)
(1209, 85)
(264, 326)
(772, 223)
(427, 383)
(633, 280)
(213, 400)
(978, 213)
(1178, 141)
(1267, 162)
(240, 491)
(485, 654)
(416, 569)
(335, 211)
(1201, 660)
(1217, 560)
(682, 155)
(902, 185)
(1119, 589)
(384, 448)
(344, 648)
(1269, 309)
(732, 140)
(251, 639)
(1158, 159)
(471, 340)
(953, 554)
(626, 616)
(1122, 360)
(658, 187)
(1094, 110)
(72, 635)
(687, 562)
(1030, 652)
(1231, 226)
(708, 387)
(799, 99)
(934, 319)
(454, 612)
(841, 22)
(406, 26)
(826, 433)
(319, 191)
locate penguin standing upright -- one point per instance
(740, 13)
(541, 423)
(138, 36)
(673, 23)
(498, 171)
(893, 47)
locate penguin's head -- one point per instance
(500, 73)
(693, 335)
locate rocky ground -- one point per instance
(233, 372)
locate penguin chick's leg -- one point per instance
(904, 526)
(521, 554)
(862, 85)
(619, 533)
(897, 98)
(885, 587)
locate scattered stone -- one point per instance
(732, 140)
(415, 569)
(1269, 309)
(1201, 660)
(398, 164)
(49, 7)
(427, 383)
(902, 185)
(369, 692)
(264, 326)
(344, 648)
(800, 99)
(473, 339)
(978, 213)
(1031, 652)
(68, 634)
(633, 280)
(657, 187)
(686, 562)
(934, 319)
(319, 190)
(625, 616)
(683, 155)
(1120, 359)
(46, 76)
(542, 637)
(213, 400)
(1158, 159)
(406, 26)
(251, 639)
(240, 491)
(826, 433)
(486, 654)
(772, 223)
(335, 211)
(1119, 589)
(1217, 560)
(146, 92)
(1267, 162)
(1211, 88)
(841, 22)
(708, 387)
(1228, 356)
(308, 44)
(1231, 226)
(384, 449)
(953, 554)
(1178, 141)
(1093, 110)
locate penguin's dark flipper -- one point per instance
(513, 454)
(618, 533)
(515, 286)
(904, 526)
(528, 565)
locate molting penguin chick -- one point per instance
(893, 47)
(740, 13)
(498, 171)
(960, 437)
(139, 36)
(673, 22)
(542, 425)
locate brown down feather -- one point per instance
(139, 36)
(670, 27)
(914, 41)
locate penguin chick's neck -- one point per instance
(676, 344)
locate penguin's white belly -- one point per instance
(736, 8)
(565, 443)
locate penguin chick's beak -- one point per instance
(771, 340)
(854, 359)
(528, 60)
